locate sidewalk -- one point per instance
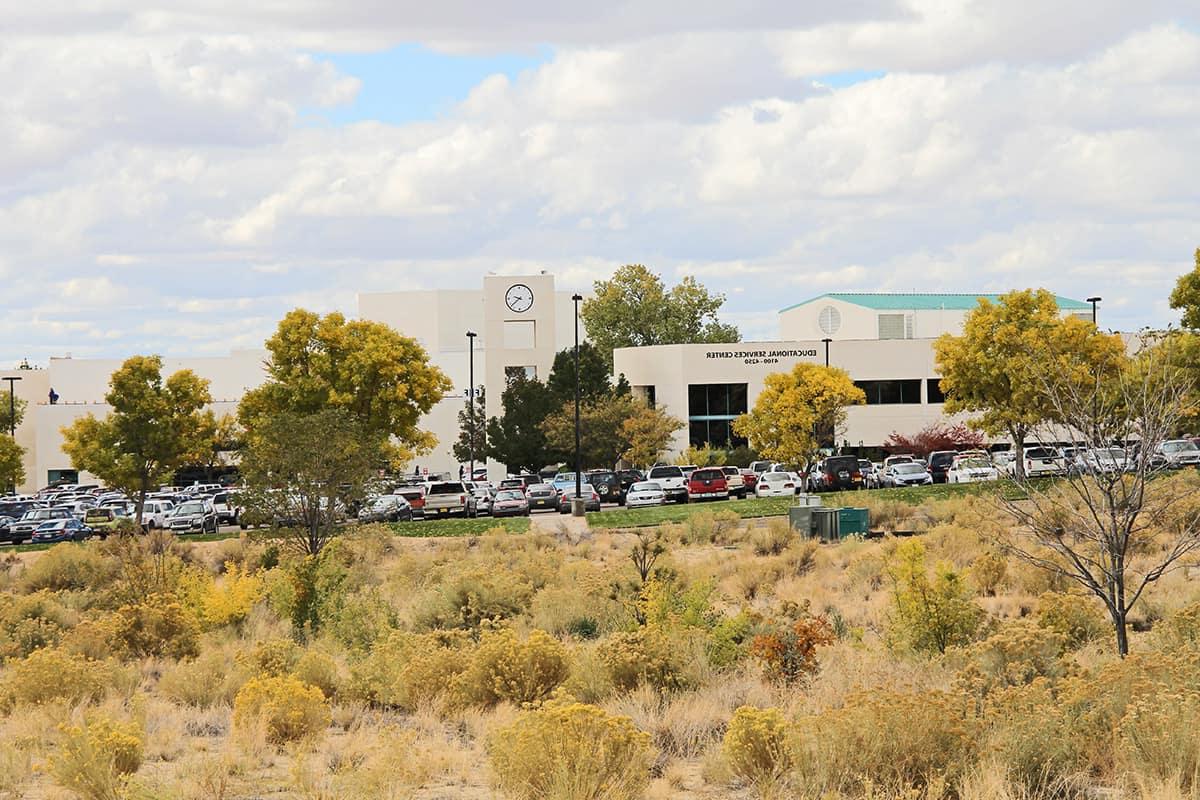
(573, 528)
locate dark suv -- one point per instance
(839, 472)
(608, 485)
(939, 464)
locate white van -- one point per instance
(154, 513)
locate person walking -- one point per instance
(53, 396)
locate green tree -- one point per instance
(217, 435)
(794, 407)
(594, 372)
(930, 614)
(301, 471)
(647, 432)
(153, 428)
(1186, 295)
(997, 366)
(6, 419)
(472, 432)
(515, 438)
(634, 308)
(12, 462)
(383, 380)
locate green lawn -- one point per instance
(455, 526)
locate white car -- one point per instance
(155, 513)
(672, 481)
(646, 493)
(909, 473)
(775, 484)
(1040, 462)
(971, 469)
(1180, 453)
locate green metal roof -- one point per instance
(905, 301)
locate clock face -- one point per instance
(519, 298)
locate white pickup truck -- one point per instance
(448, 498)
(673, 482)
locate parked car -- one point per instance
(586, 491)
(897, 459)
(510, 503)
(908, 473)
(1040, 462)
(708, 483)
(1101, 461)
(385, 508)
(939, 464)
(61, 530)
(193, 516)
(628, 478)
(102, 521)
(542, 496)
(688, 469)
(22, 530)
(154, 512)
(775, 484)
(449, 498)
(608, 485)
(971, 468)
(485, 496)
(415, 496)
(672, 481)
(563, 479)
(837, 473)
(734, 482)
(226, 507)
(645, 494)
(759, 467)
(1179, 453)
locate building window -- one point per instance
(882, 393)
(933, 391)
(895, 326)
(529, 373)
(520, 335)
(646, 393)
(712, 407)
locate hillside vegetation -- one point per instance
(710, 658)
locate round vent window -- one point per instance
(830, 320)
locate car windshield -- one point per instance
(563, 477)
(190, 508)
(909, 469)
(1179, 447)
(52, 524)
(776, 477)
(1040, 452)
(1115, 453)
(666, 472)
(541, 488)
(383, 502)
(510, 494)
(645, 487)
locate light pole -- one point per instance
(1094, 301)
(577, 505)
(12, 405)
(827, 341)
(471, 400)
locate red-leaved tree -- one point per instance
(937, 436)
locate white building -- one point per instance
(883, 340)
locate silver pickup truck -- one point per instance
(449, 498)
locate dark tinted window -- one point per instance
(891, 392)
(841, 462)
(933, 388)
(707, 474)
(447, 488)
(941, 459)
(666, 472)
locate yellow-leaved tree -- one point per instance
(997, 367)
(794, 407)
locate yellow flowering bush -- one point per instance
(648, 655)
(1018, 653)
(288, 708)
(1028, 733)
(1159, 736)
(271, 657)
(95, 758)
(229, 601)
(405, 670)
(757, 748)
(52, 674)
(505, 668)
(568, 749)
(319, 669)
(1077, 617)
(157, 625)
(930, 613)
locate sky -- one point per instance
(173, 180)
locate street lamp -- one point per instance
(471, 400)
(1094, 301)
(827, 341)
(577, 505)
(12, 405)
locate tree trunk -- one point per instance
(141, 500)
(1018, 437)
(1120, 626)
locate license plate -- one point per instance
(843, 475)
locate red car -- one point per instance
(708, 484)
(415, 495)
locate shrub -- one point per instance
(647, 655)
(571, 750)
(930, 615)
(67, 566)
(229, 601)
(210, 679)
(96, 758)
(319, 669)
(505, 668)
(30, 622)
(407, 669)
(897, 741)
(773, 539)
(480, 594)
(707, 527)
(1075, 616)
(789, 653)
(1159, 737)
(757, 748)
(1181, 629)
(359, 619)
(289, 709)
(1031, 738)
(159, 625)
(271, 657)
(1017, 654)
(52, 674)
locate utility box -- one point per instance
(800, 520)
(854, 521)
(825, 523)
(810, 500)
